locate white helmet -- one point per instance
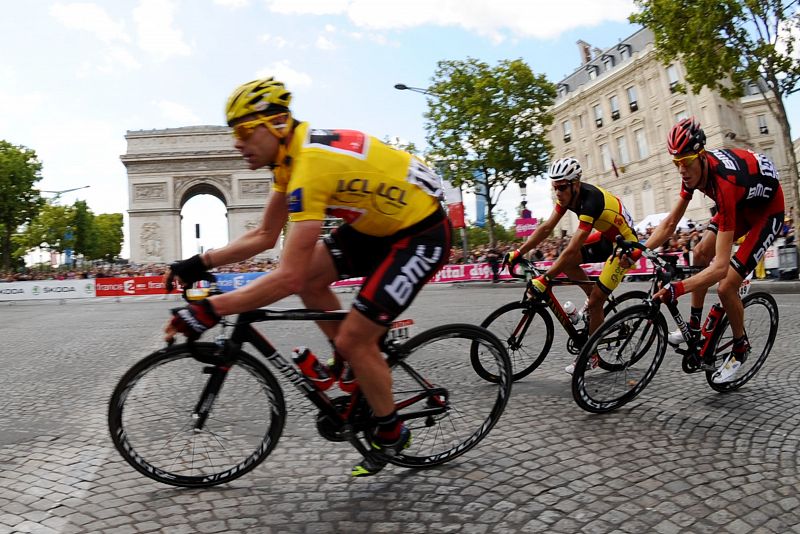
(565, 169)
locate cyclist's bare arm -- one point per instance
(286, 280)
(718, 269)
(571, 256)
(256, 240)
(541, 233)
(666, 228)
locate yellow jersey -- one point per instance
(375, 188)
(600, 210)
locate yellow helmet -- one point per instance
(265, 96)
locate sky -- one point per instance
(75, 76)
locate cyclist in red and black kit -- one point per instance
(749, 199)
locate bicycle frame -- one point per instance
(552, 302)
(244, 332)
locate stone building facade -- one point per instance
(168, 167)
(616, 109)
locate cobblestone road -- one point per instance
(681, 458)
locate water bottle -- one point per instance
(714, 315)
(572, 312)
(312, 368)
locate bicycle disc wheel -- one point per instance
(761, 327)
(153, 424)
(634, 342)
(464, 408)
(526, 331)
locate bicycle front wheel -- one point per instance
(632, 343)
(154, 422)
(446, 405)
(761, 327)
(526, 331)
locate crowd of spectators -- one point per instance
(682, 242)
(122, 270)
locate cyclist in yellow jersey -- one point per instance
(597, 210)
(395, 234)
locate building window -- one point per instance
(563, 89)
(641, 143)
(608, 62)
(762, 125)
(605, 153)
(613, 101)
(567, 127)
(622, 150)
(768, 152)
(753, 88)
(679, 116)
(632, 98)
(624, 52)
(672, 75)
(598, 115)
(592, 71)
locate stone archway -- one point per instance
(168, 167)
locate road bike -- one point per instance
(526, 328)
(635, 341)
(172, 420)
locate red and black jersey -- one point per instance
(741, 182)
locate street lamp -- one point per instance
(404, 87)
(57, 194)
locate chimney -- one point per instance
(585, 50)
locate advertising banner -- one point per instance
(130, 286)
(47, 289)
(525, 226)
(230, 281)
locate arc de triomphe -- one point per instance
(168, 167)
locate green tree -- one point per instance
(486, 125)
(20, 169)
(108, 237)
(51, 229)
(724, 44)
(83, 227)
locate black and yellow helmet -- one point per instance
(266, 96)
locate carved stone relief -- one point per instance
(253, 187)
(153, 191)
(150, 238)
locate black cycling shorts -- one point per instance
(395, 267)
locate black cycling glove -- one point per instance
(189, 271)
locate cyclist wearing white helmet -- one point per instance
(597, 210)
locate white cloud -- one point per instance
(309, 7)
(91, 18)
(273, 40)
(323, 43)
(282, 71)
(177, 114)
(233, 4)
(493, 20)
(156, 34)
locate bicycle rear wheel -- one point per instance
(525, 330)
(464, 407)
(633, 343)
(616, 305)
(761, 327)
(153, 417)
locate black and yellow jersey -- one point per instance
(600, 210)
(375, 188)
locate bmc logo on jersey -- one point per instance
(295, 200)
(760, 191)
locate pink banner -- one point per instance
(525, 227)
